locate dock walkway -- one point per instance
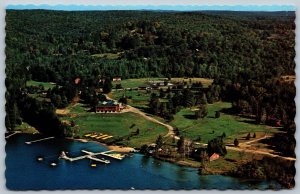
(106, 153)
(43, 139)
(90, 155)
(14, 133)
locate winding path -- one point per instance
(139, 112)
(171, 133)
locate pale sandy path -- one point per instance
(139, 112)
(242, 147)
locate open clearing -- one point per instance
(117, 125)
(107, 55)
(133, 83)
(46, 85)
(211, 127)
(135, 97)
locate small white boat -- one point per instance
(53, 164)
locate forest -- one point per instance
(249, 55)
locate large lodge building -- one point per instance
(108, 107)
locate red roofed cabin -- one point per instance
(108, 107)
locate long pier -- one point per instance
(115, 156)
(30, 142)
(88, 156)
(106, 153)
(14, 133)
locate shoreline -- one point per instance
(110, 147)
(183, 163)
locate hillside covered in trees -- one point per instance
(246, 53)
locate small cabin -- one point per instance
(116, 79)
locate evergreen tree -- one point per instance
(107, 86)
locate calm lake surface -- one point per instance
(24, 172)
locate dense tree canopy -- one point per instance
(245, 52)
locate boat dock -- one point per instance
(14, 133)
(106, 153)
(90, 155)
(115, 156)
(98, 160)
(30, 142)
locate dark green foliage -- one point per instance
(159, 142)
(236, 142)
(119, 86)
(223, 135)
(144, 149)
(42, 116)
(107, 86)
(137, 132)
(216, 145)
(245, 53)
(123, 100)
(180, 144)
(172, 44)
(248, 136)
(202, 112)
(281, 170)
(217, 114)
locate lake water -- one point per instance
(24, 172)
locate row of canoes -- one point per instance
(98, 136)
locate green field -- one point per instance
(26, 128)
(46, 85)
(132, 83)
(117, 125)
(137, 97)
(211, 127)
(107, 55)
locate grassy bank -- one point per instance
(210, 127)
(46, 85)
(26, 128)
(116, 125)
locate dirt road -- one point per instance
(137, 111)
(243, 146)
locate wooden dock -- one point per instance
(14, 133)
(88, 156)
(106, 153)
(43, 139)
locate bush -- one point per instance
(217, 115)
(248, 136)
(236, 142)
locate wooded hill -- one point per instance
(245, 52)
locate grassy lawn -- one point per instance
(210, 127)
(138, 97)
(117, 125)
(107, 55)
(26, 128)
(231, 161)
(46, 85)
(205, 81)
(132, 83)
